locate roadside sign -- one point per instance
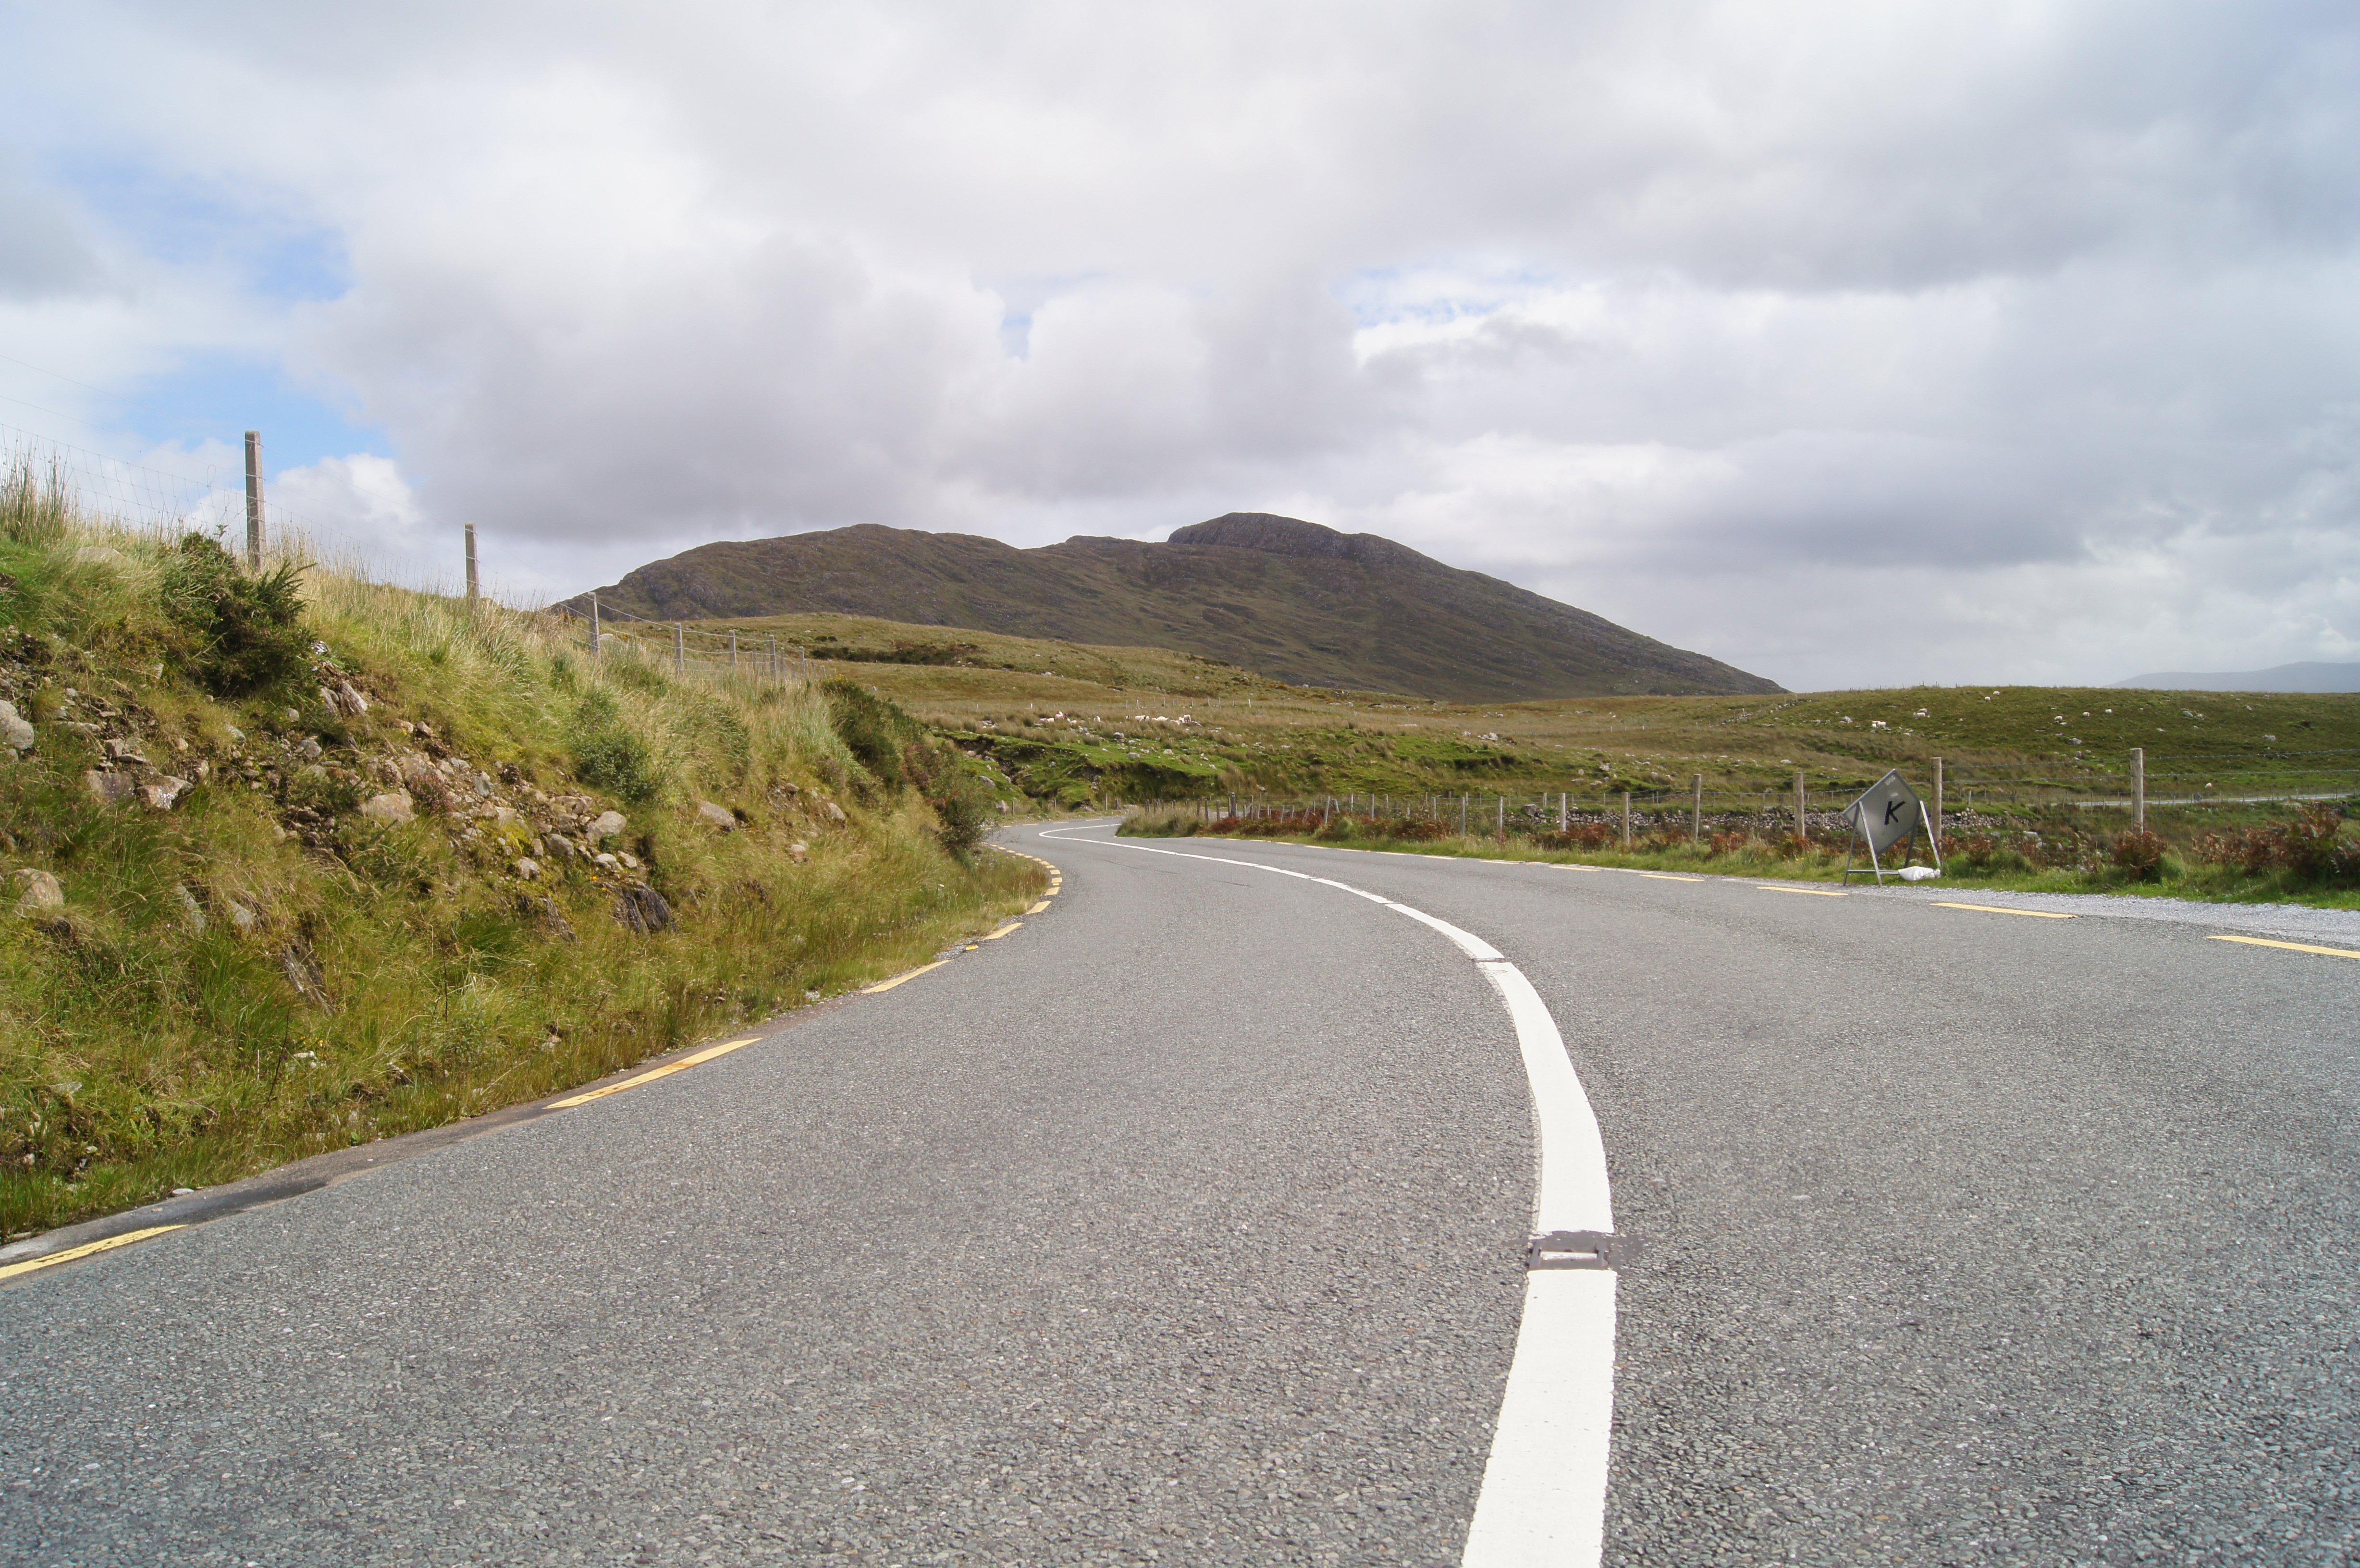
(1886, 813)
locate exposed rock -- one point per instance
(607, 824)
(717, 816)
(124, 751)
(42, 892)
(1003, 807)
(800, 850)
(605, 862)
(643, 910)
(528, 868)
(109, 789)
(310, 748)
(197, 921)
(545, 911)
(630, 861)
(346, 698)
(390, 809)
(835, 813)
(14, 732)
(241, 916)
(165, 793)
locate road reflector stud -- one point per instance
(1581, 1250)
(2290, 946)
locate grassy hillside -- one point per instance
(300, 861)
(1284, 597)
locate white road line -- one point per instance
(1544, 1497)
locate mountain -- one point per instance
(2308, 677)
(1276, 596)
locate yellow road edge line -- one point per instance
(1814, 892)
(1667, 877)
(1003, 931)
(685, 1063)
(2290, 946)
(85, 1250)
(906, 975)
(1038, 907)
(1997, 909)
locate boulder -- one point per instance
(800, 851)
(42, 892)
(165, 793)
(241, 916)
(388, 809)
(528, 868)
(835, 813)
(717, 816)
(14, 732)
(109, 789)
(643, 910)
(605, 826)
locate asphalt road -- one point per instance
(1184, 1223)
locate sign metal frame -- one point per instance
(1888, 795)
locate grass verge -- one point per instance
(299, 866)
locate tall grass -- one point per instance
(260, 972)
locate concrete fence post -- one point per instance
(1626, 819)
(1802, 808)
(678, 651)
(2138, 787)
(471, 569)
(254, 500)
(1696, 823)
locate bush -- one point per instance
(608, 757)
(2139, 852)
(1725, 842)
(245, 634)
(875, 731)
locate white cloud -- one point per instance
(2024, 335)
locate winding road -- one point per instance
(1186, 1221)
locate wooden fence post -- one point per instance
(2138, 787)
(679, 651)
(1938, 805)
(1626, 819)
(1696, 823)
(733, 647)
(471, 569)
(1465, 800)
(594, 630)
(1802, 808)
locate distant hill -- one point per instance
(2308, 677)
(1276, 596)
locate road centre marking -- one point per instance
(85, 1250)
(1544, 1493)
(2290, 946)
(1814, 892)
(683, 1065)
(1997, 909)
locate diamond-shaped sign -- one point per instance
(1887, 813)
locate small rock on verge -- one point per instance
(14, 732)
(110, 789)
(605, 826)
(717, 816)
(396, 806)
(41, 891)
(165, 793)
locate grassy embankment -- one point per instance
(1076, 726)
(259, 969)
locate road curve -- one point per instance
(1184, 1223)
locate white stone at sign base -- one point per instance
(1916, 873)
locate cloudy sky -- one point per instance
(1854, 343)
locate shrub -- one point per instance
(2310, 845)
(875, 731)
(608, 757)
(2139, 852)
(1725, 842)
(245, 633)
